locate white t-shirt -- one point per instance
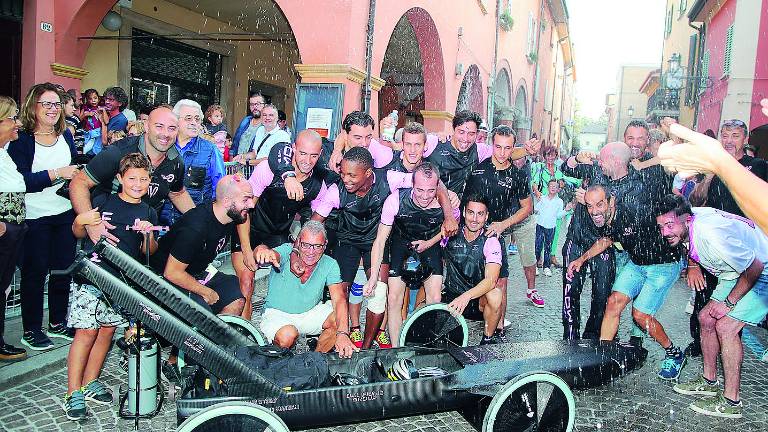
(11, 179)
(273, 137)
(549, 211)
(726, 244)
(47, 203)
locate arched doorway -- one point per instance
(412, 68)
(471, 92)
(522, 123)
(502, 93)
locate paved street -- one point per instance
(637, 402)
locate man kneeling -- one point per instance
(294, 303)
(472, 266)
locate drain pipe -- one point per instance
(366, 96)
(492, 81)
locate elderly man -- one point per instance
(167, 178)
(203, 163)
(294, 303)
(265, 138)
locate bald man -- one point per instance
(167, 178)
(185, 252)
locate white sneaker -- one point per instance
(547, 272)
(689, 308)
(537, 271)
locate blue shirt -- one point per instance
(286, 292)
(118, 122)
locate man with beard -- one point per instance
(167, 178)
(294, 303)
(185, 252)
(270, 220)
(735, 250)
(249, 126)
(417, 217)
(472, 264)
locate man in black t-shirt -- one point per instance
(167, 177)
(186, 251)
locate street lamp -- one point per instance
(674, 63)
(630, 111)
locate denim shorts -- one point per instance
(753, 307)
(647, 285)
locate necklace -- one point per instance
(45, 133)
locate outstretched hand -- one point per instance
(698, 154)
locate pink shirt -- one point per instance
(492, 251)
(262, 177)
(396, 180)
(382, 155)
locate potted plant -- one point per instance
(506, 21)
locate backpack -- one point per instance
(287, 370)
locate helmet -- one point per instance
(346, 379)
(402, 369)
(414, 271)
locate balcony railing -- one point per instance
(664, 101)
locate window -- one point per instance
(728, 51)
(704, 73)
(683, 8)
(531, 34)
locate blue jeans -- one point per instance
(647, 285)
(544, 238)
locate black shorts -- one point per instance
(258, 238)
(348, 257)
(504, 272)
(398, 250)
(226, 286)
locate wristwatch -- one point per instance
(728, 303)
(288, 174)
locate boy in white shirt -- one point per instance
(549, 209)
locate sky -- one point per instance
(607, 34)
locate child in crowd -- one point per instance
(214, 120)
(94, 319)
(89, 111)
(549, 209)
(135, 128)
(114, 136)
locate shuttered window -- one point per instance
(704, 73)
(683, 7)
(692, 56)
(531, 33)
(728, 51)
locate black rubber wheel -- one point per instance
(532, 402)
(233, 417)
(245, 327)
(434, 326)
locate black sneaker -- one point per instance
(693, 350)
(636, 341)
(60, 331)
(486, 340)
(36, 340)
(500, 335)
(10, 352)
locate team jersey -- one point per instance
(274, 212)
(410, 221)
(356, 218)
(465, 261)
(397, 162)
(725, 244)
(502, 188)
(643, 242)
(455, 166)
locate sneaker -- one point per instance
(535, 298)
(693, 350)
(356, 337)
(97, 392)
(74, 406)
(548, 272)
(10, 352)
(636, 341)
(697, 387)
(489, 340)
(512, 249)
(36, 340)
(537, 271)
(672, 366)
(689, 308)
(382, 340)
(717, 406)
(171, 371)
(60, 331)
(500, 335)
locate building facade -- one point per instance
(424, 60)
(630, 102)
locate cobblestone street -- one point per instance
(637, 402)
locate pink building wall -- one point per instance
(711, 101)
(760, 86)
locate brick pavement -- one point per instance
(637, 402)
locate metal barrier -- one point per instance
(13, 302)
(236, 167)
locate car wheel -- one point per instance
(245, 327)
(434, 326)
(233, 416)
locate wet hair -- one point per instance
(671, 202)
(503, 130)
(213, 108)
(598, 187)
(313, 227)
(29, 108)
(357, 118)
(637, 123)
(359, 155)
(415, 128)
(466, 116)
(134, 160)
(8, 107)
(427, 169)
(119, 94)
(478, 198)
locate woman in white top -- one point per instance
(43, 154)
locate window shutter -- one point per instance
(531, 32)
(728, 51)
(704, 72)
(683, 8)
(689, 85)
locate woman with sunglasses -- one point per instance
(12, 227)
(43, 154)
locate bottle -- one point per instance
(356, 289)
(388, 133)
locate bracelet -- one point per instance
(728, 303)
(56, 173)
(342, 332)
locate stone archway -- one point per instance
(471, 92)
(522, 122)
(502, 106)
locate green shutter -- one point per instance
(728, 51)
(704, 73)
(683, 7)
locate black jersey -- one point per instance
(718, 195)
(454, 166)
(195, 239)
(397, 162)
(502, 188)
(357, 217)
(412, 222)
(640, 239)
(465, 262)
